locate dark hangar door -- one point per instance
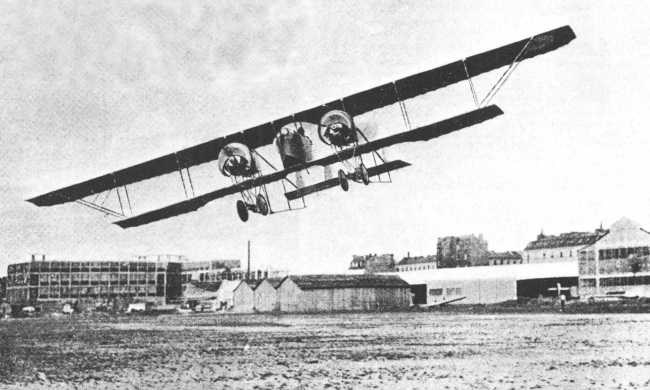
(419, 292)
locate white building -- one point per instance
(563, 247)
(486, 284)
(617, 262)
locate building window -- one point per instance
(435, 291)
(570, 253)
(560, 253)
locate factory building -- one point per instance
(488, 284)
(327, 293)
(89, 283)
(243, 297)
(416, 263)
(212, 270)
(617, 263)
(373, 263)
(563, 247)
(266, 295)
(504, 258)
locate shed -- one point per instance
(243, 297)
(225, 292)
(324, 293)
(266, 296)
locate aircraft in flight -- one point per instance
(238, 157)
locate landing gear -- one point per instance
(242, 210)
(262, 204)
(343, 181)
(363, 172)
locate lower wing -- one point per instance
(423, 133)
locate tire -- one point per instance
(365, 179)
(262, 204)
(343, 181)
(242, 210)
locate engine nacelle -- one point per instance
(336, 129)
(236, 159)
(293, 145)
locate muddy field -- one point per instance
(385, 350)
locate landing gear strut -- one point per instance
(261, 206)
(343, 181)
(363, 172)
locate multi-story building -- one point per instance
(212, 270)
(416, 263)
(617, 262)
(462, 251)
(563, 247)
(504, 258)
(373, 263)
(87, 282)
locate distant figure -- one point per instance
(562, 302)
(5, 309)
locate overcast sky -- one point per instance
(90, 87)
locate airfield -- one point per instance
(343, 351)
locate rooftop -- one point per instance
(317, 282)
(504, 255)
(566, 240)
(417, 260)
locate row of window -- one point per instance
(623, 253)
(552, 255)
(417, 267)
(448, 291)
(95, 283)
(617, 281)
(48, 292)
(86, 267)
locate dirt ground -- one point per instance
(348, 351)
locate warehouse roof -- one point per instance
(504, 255)
(566, 240)
(317, 282)
(275, 282)
(564, 269)
(251, 283)
(417, 260)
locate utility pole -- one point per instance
(248, 268)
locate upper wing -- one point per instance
(423, 133)
(355, 104)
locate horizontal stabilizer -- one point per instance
(324, 185)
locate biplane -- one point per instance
(238, 156)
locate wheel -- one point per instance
(242, 210)
(343, 180)
(364, 174)
(262, 204)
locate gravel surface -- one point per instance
(349, 351)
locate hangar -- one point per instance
(325, 293)
(490, 284)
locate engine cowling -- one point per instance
(236, 159)
(336, 129)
